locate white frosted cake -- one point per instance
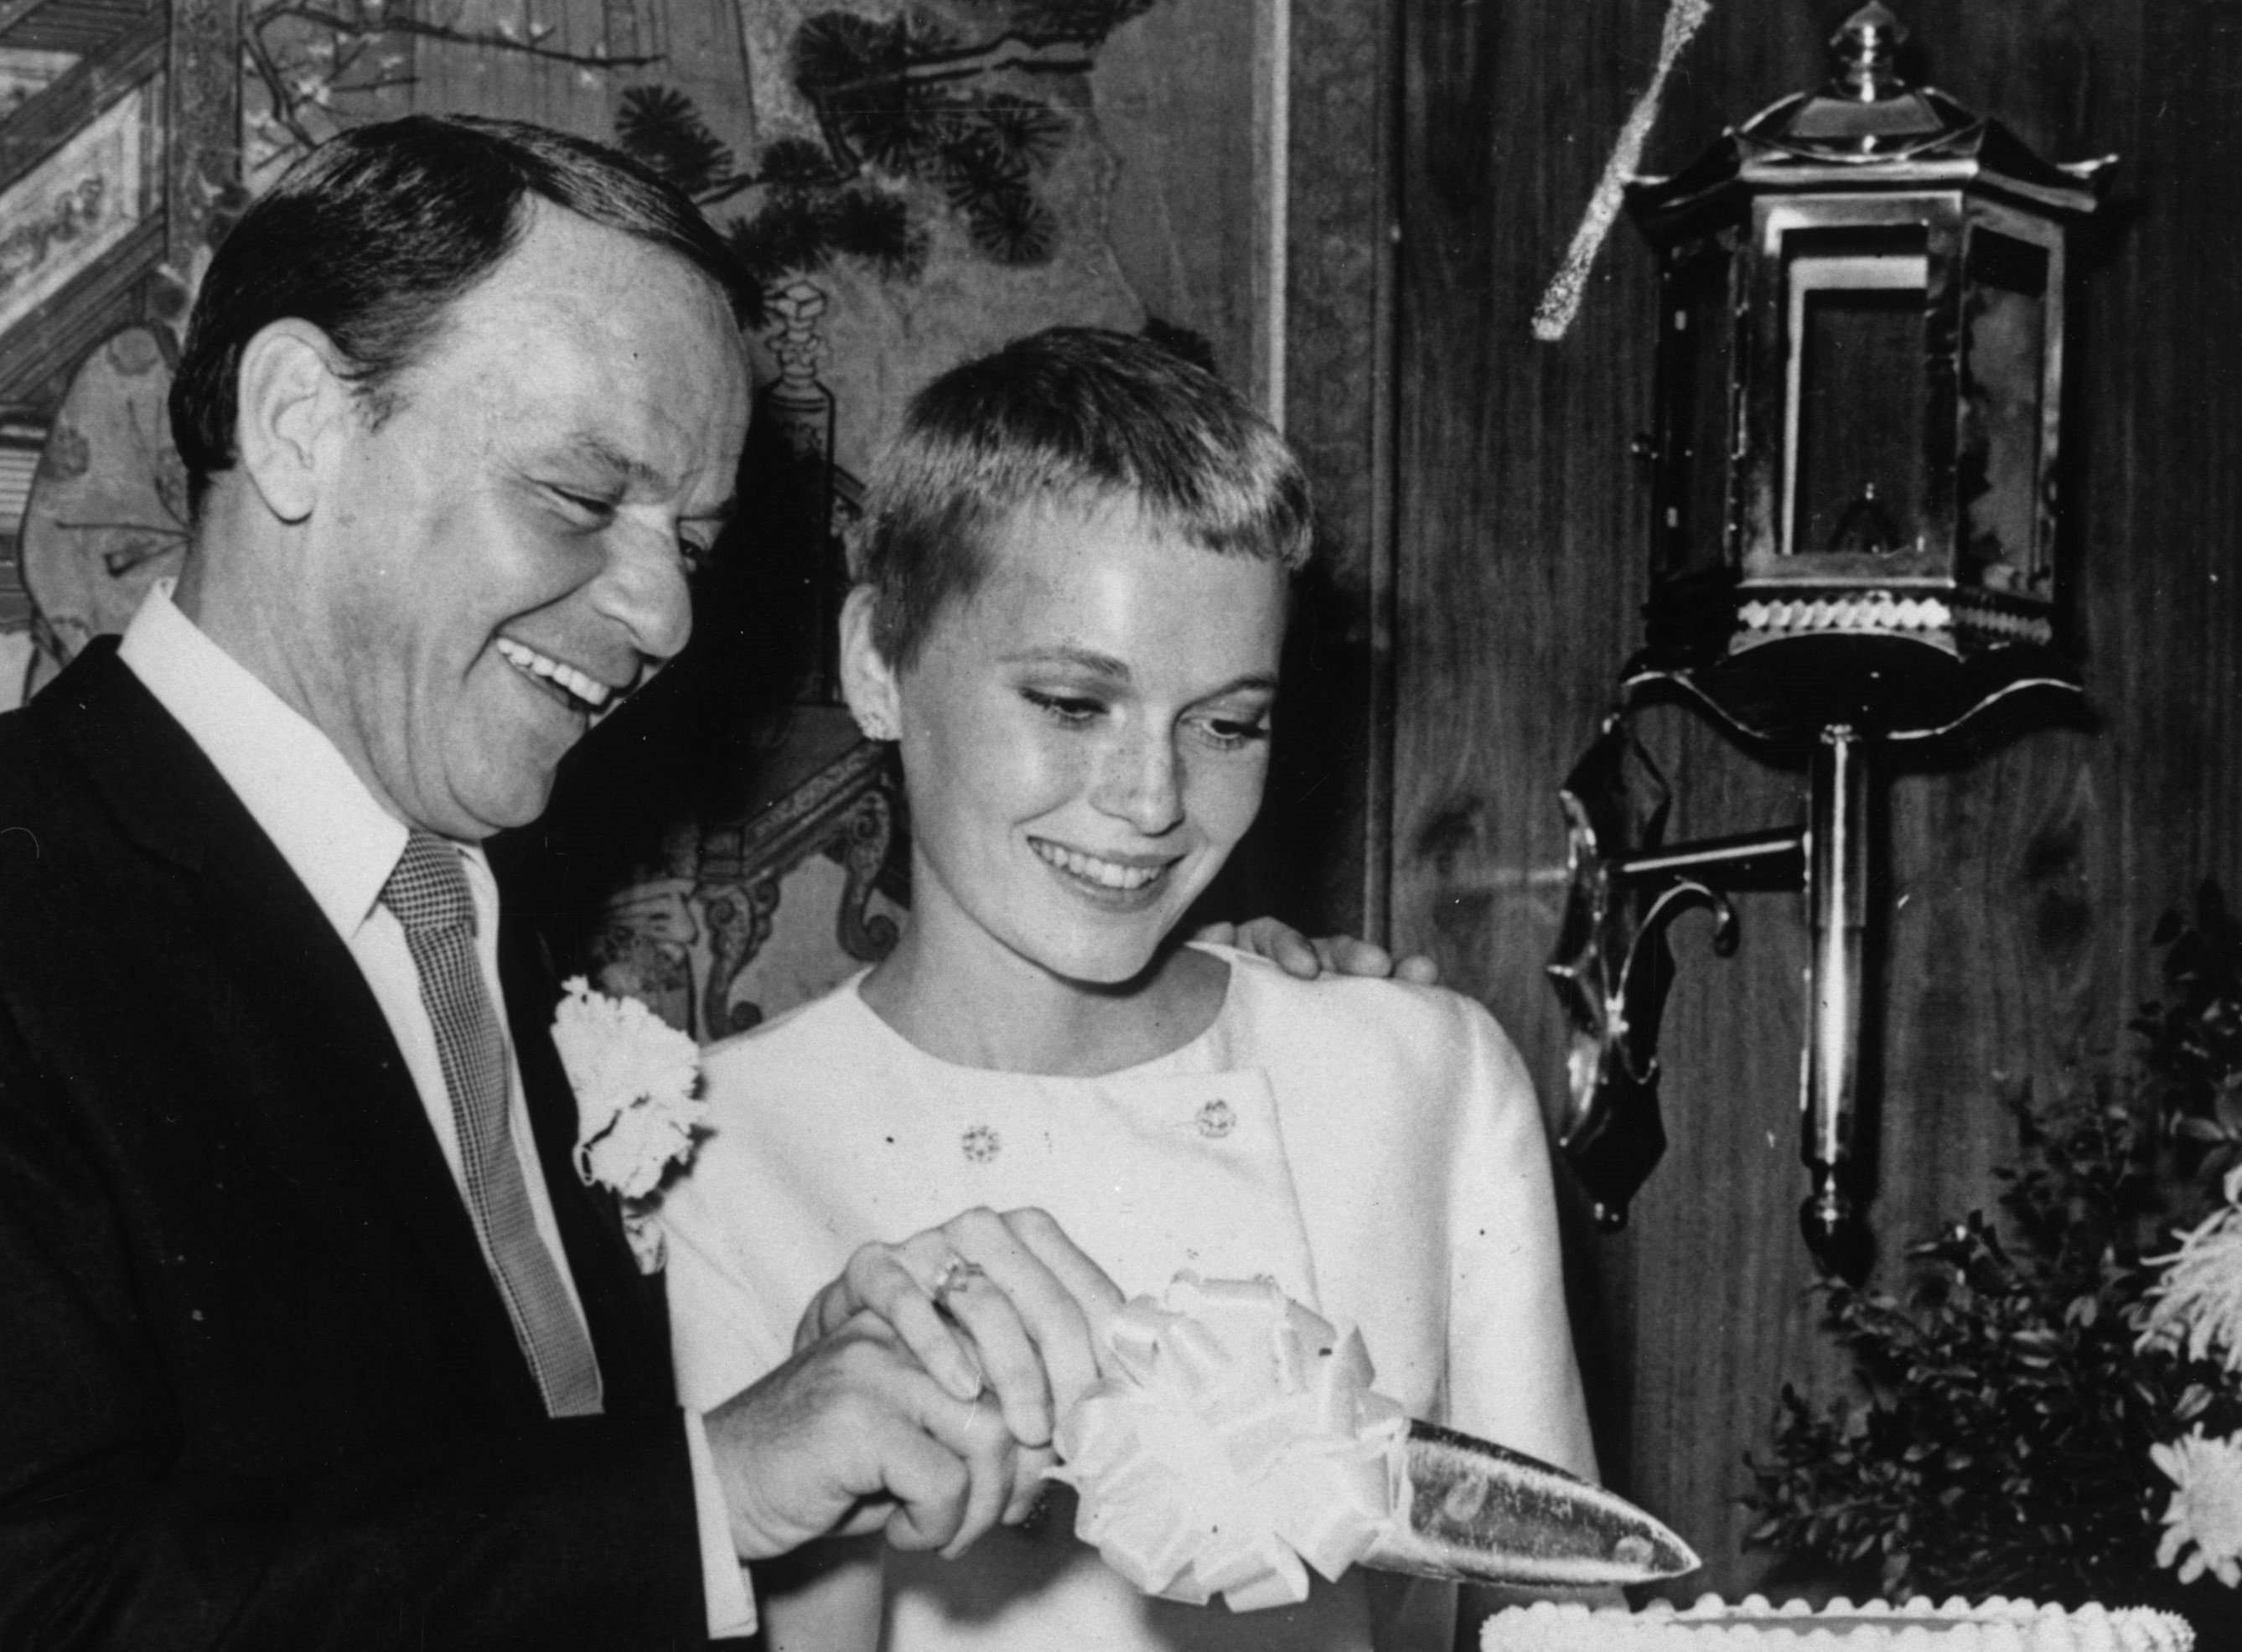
(1996, 1625)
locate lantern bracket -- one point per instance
(1613, 968)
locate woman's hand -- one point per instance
(1003, 1304)
(1295, 954)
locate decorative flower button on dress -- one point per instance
(980, 1144)
(1215, 1119)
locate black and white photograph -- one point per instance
(1140, 825)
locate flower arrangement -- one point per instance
(637, 1080)
(2055, 1409)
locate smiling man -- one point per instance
(454, 588)
(309, 1334)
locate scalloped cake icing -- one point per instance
(1996, 1625)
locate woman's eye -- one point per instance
(1073, 710)
(1231, 732)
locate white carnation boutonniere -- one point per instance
(637, 1081)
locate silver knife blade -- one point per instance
(1478, 1513)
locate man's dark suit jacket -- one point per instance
(257, 1387)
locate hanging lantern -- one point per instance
(1854, 519)
(1860, 384)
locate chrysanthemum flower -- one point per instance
(2205, 1518)
(2197, 1305)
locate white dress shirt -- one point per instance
(343, 845)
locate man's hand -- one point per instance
(1005, 1306)
(851, 1435)
(1295, 954)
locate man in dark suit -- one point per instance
(309, 1334)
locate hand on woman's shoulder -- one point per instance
(1405, 1025)
(1326, 955)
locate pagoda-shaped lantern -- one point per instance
(1853, 522)
(1860, 375)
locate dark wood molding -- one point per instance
(1321, 848)
(203, 158)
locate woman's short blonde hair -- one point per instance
(1070, 414)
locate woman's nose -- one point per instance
(1143, 784)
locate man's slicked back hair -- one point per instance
(1073, 416)
(372, 235)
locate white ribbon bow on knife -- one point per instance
(1239, 1442)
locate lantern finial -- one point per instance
(1867, 45)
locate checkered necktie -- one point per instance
(428, 892)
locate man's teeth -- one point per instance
(1097, 871)
(590, 690)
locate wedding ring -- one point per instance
(950, 1278)
(953, 1277)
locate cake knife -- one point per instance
(1478, 1513)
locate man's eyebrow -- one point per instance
(639, 473)
(636, 471)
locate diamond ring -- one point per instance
(953, 1277)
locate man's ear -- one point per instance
(288, 398)
(868, 682)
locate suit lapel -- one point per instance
(265, 931)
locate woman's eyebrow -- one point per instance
(1254, 681)
(1106, 666)
(1102, 665)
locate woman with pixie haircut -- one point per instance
(1072, 603)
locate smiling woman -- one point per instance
(1074, 602)
(1085, 739)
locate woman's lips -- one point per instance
(1118, 882)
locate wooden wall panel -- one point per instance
(1326, 837)
(2024, 874)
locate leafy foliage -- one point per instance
(659, 127)
(800, 230)
(900, 101)
(2004, 1445)
(900, 98)
(2191, 1047)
